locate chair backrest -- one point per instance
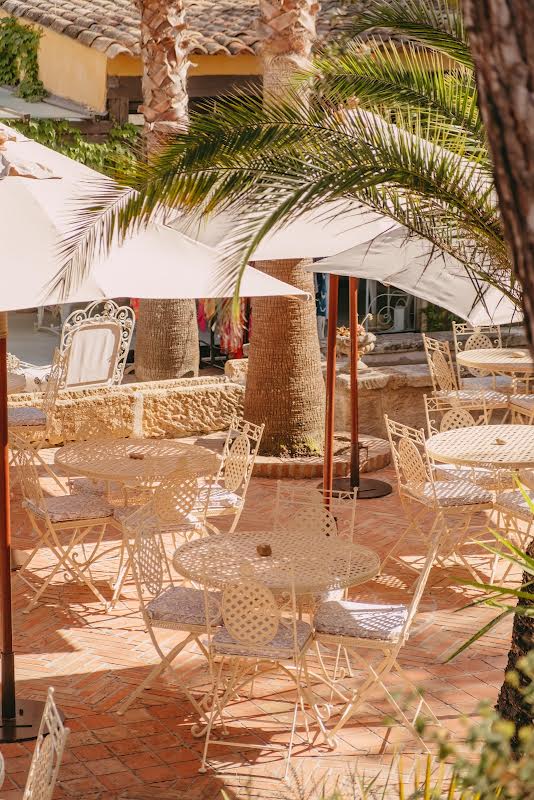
(444, 414)
(55, 382)
(442, 374)
(24, 461)
(250, 613)
(299, 508)
(150, 566)
(174, 499)
(239, 454)
(468, 337)
(410, 458)
(98, 338)
(48, 753)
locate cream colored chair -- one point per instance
(314, 511)
(256, 638)
(47, 754)
(35, 422)
(98, 340)
(174, 508)
(227, 494)
(484, 337)
(63, 523)
(445, 414)
(435, 509)
(445, 382)
(374, 635)
(165, 606)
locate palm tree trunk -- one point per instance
(500, 35)
(285, 387)
(167, 332)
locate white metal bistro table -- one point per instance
(134, 462)
(498, 360)
(506, 446)
(311, 563)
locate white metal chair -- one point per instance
(513, 507)
(445, 380)
(256, 638)
(62, 523)
(164, 606)
(434, 508)
(467, 337)
(227, 493)
(97, 339)
(32, 422)
(445, 414)
(174, 508)
(48, 753)
(522, 408)
(380, 631)
(315, 511)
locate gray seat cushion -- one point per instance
(70, 508)
(26, 416)
(184, 605)
(360, 620)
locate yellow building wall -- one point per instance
(201, 65)
(71, 70)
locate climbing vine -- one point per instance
(113, 156)
(19, 66)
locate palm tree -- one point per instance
(167, 334)
(285, 387)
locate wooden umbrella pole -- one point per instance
(8, 657)
(328, 470)
(354, 357)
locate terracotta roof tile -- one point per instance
(112, 26)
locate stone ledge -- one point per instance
(378, 457)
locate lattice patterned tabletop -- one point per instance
(318, 563)
(499, 445)
(506, 360)
(135, 461)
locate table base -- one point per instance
(369, 488)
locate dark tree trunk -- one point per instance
(502, 43)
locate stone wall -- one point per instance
(153, 409)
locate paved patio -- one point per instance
(94, 659)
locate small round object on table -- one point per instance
(501, 360)
(135, 461)
(312, 563)
(507, 446)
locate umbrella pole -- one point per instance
(366, 488)
(328, 469)
(8, 657)
(20, 719)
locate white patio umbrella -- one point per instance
(412, 264)
(37, 187)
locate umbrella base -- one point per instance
(369, 488)
(26, 725)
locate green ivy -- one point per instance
(111, 157)
(19, 66)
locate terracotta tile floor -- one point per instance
(94, 659)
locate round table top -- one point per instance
(500, 445)
(313, 563)
(135, 461)
(498, 359)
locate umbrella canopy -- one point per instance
(38, 188)
(412, 264)
(328, 230)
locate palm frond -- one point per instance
(436, 24)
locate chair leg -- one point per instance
(165, 663)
